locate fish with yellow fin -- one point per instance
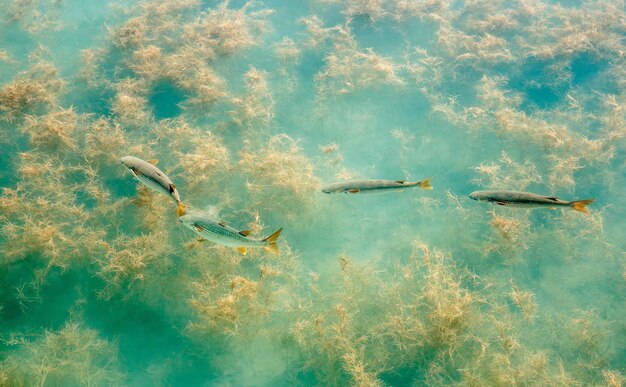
(373, 186)
(152, 177)
(528, 200)
(213, 230)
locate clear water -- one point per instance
(252, 107)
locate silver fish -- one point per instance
(370, 186)
(152, 177)
(528, 200)
(218, 232)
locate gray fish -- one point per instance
(152, 177)
(218, 232)
(370, 186)
(528, 200)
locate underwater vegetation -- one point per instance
(252, 109)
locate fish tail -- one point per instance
(581, 205)
(271, 245)
(181, 209)
(425, 184)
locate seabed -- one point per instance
(251, 108)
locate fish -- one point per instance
(371, 186)
(220, 233)
(152, 177)
(528, 200)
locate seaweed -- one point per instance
(71, 355)
(31, 91)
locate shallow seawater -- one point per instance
(251, 108)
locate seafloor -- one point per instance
(251, 107)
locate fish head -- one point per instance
(127, 161)
(476, 196)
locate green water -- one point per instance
(252, 108)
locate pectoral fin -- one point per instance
(354, 190)
(172, 188)
(198, 228)
(194, 244)
(244, 232)
(153, 161)
(223, 224)
(501, 203)
(400, 181)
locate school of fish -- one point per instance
(209, 228)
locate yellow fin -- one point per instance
(581, 205)
(273, 248)
(181, 209)
(244, 232)
(153, 161)
(242, 250)
(271, 245)
(425, 184)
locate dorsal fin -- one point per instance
(244, 232)
(153, 161)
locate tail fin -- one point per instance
(181, 209)
(425, 184)
(271, 246)
(581, 205)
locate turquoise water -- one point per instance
(252, 108)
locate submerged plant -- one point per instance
(32, 90)
(281, 165)
(256, 108)
(516, 176)
(525, 301)
(71, 355)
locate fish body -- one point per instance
(372, 186)
(152, 177)
(528, 200)
(220, 233)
